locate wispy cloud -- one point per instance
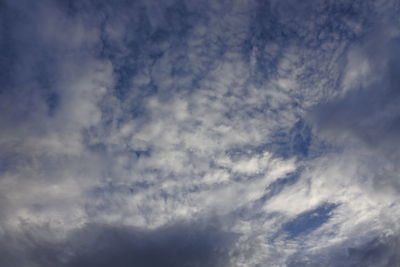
(245, 133)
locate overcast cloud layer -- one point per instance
(199, 133)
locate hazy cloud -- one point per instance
(181, 133)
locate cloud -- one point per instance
(181, 244)
(380, 251)
(123, 124)
(366, 116)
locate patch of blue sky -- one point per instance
(277, 186)
(254, 210)
(309, 221)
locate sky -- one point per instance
(185, 133)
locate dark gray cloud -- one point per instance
(380, 251)
(182, 244)
(370, 112)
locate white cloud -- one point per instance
(180, 116)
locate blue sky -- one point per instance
(199, 133)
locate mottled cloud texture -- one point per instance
(199, 133)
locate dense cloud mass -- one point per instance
(120, 246)
(199, 133)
